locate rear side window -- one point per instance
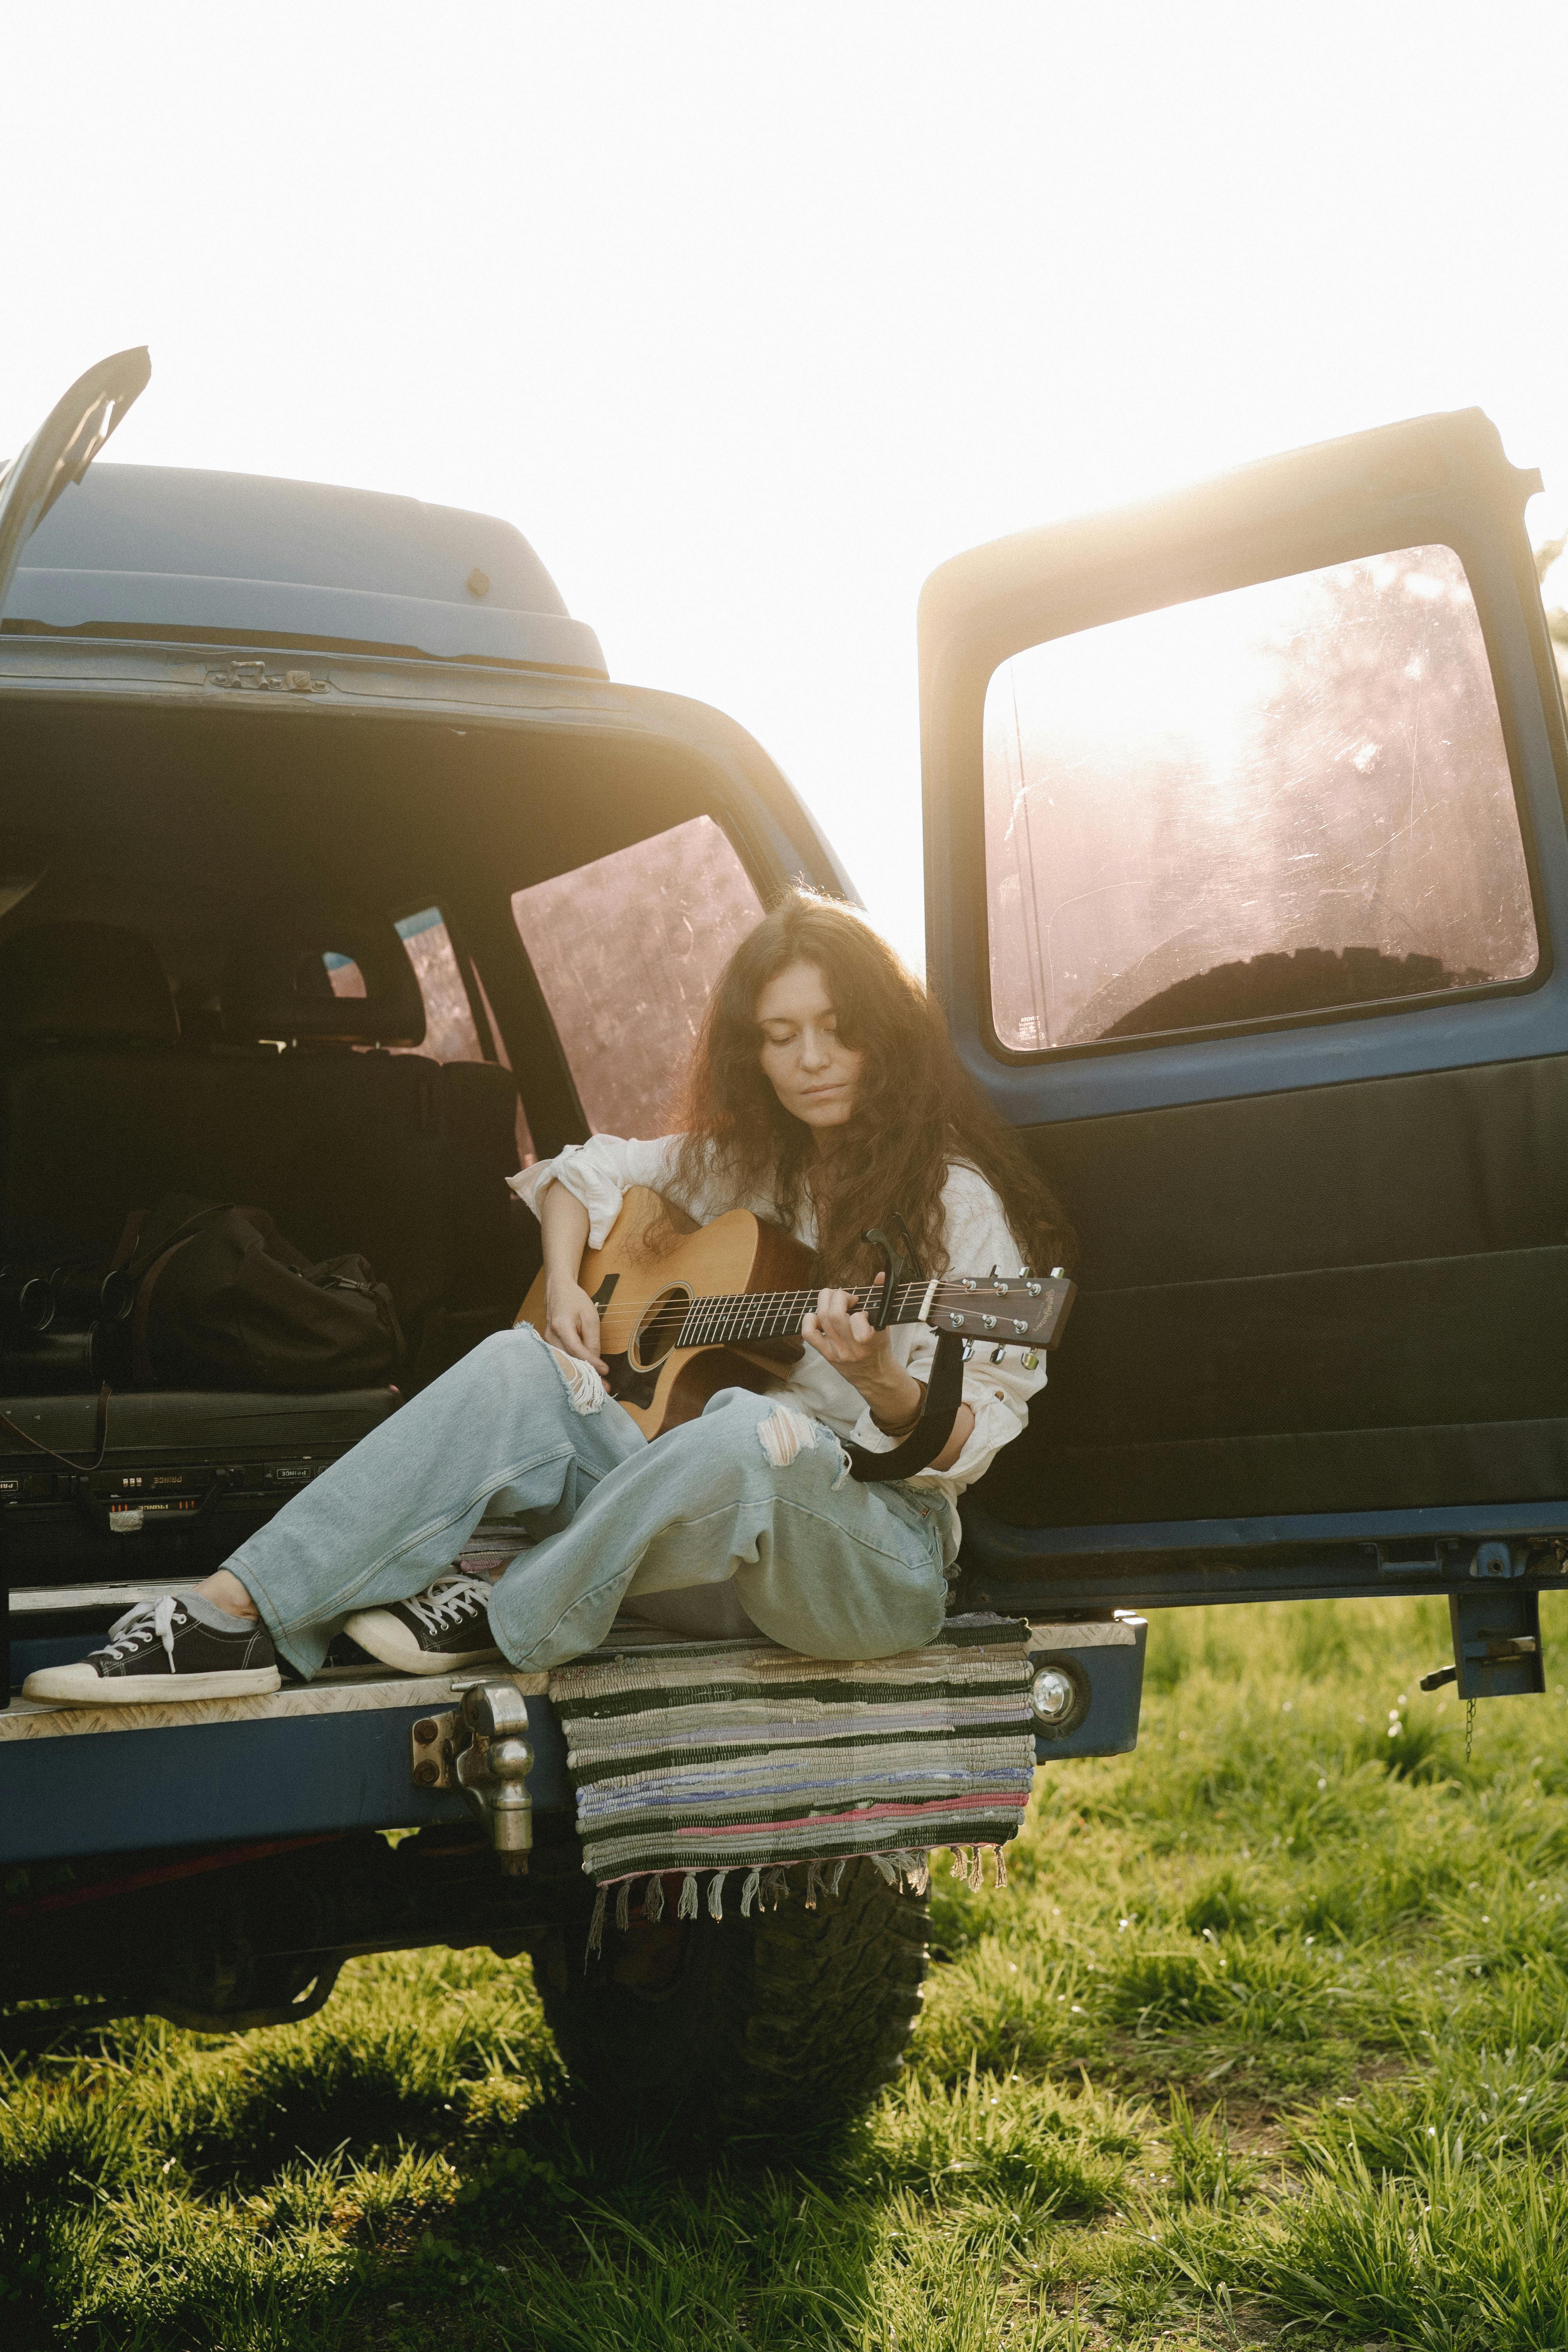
(626, 951)
(343, 975)
(1289, 798)
(450, 1034)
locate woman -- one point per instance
(825, 1094)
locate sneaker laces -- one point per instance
(148, 1621)
(449, 1600)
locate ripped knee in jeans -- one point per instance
(585, 1392)
(784, 1433)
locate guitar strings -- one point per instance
(757, 1301)
(709, 1316)
(905, 1295)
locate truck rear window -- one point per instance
(1291, 797)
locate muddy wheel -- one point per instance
(784, 2022)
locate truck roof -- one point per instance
(168, 551)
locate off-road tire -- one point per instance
(788, 2020)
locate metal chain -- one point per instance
(1469, 1726)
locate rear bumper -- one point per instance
(332, 1755)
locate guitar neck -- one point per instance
(778, 1314)
(1015, 1310)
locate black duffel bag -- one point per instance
(224, 1300)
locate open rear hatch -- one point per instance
(62, 449)
(1245, 863)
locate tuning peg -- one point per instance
(997, 1354)
(1058, 1273)
(968, 1350)
(1029, 1361)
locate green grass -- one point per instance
(1266, 2044)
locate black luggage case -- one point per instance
(186, 1476)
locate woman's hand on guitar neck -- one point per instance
(844, 1337)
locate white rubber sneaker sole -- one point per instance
(80, 1686)
(389, 1641)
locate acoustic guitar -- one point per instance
(720, 1306)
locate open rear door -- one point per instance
(1246, 866)
(62, 449)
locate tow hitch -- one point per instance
(481, 1747)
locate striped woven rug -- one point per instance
(707, 1757)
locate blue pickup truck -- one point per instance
(337, 875)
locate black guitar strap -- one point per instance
(944, 1394)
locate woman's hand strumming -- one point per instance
(572, 1322)
(571, 1317)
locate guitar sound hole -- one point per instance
(659, 1329)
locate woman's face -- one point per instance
(813, 1074)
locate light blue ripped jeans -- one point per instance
(820, 1563)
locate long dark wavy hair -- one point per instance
(915, 1110)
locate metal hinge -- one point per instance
(255, 677)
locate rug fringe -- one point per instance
(767, 1886)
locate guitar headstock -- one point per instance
(996, 1312)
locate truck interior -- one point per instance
(350, 974)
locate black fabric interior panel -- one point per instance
(1345, 1298)
(1258, 1477)
(341, 1149)
(1449, 1163)
(1440, 1340)
(478, 1106)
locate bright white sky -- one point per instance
(750, 315)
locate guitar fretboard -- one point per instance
(778, 1314)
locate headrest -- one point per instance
(81, 983)
(280, 984)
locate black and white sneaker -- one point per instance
(161, 1652)
(447, 1625)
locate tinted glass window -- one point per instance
(628, 951)
(450, 1035)
(344, 975)
(1287, 798)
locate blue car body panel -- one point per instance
(193, 1783)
